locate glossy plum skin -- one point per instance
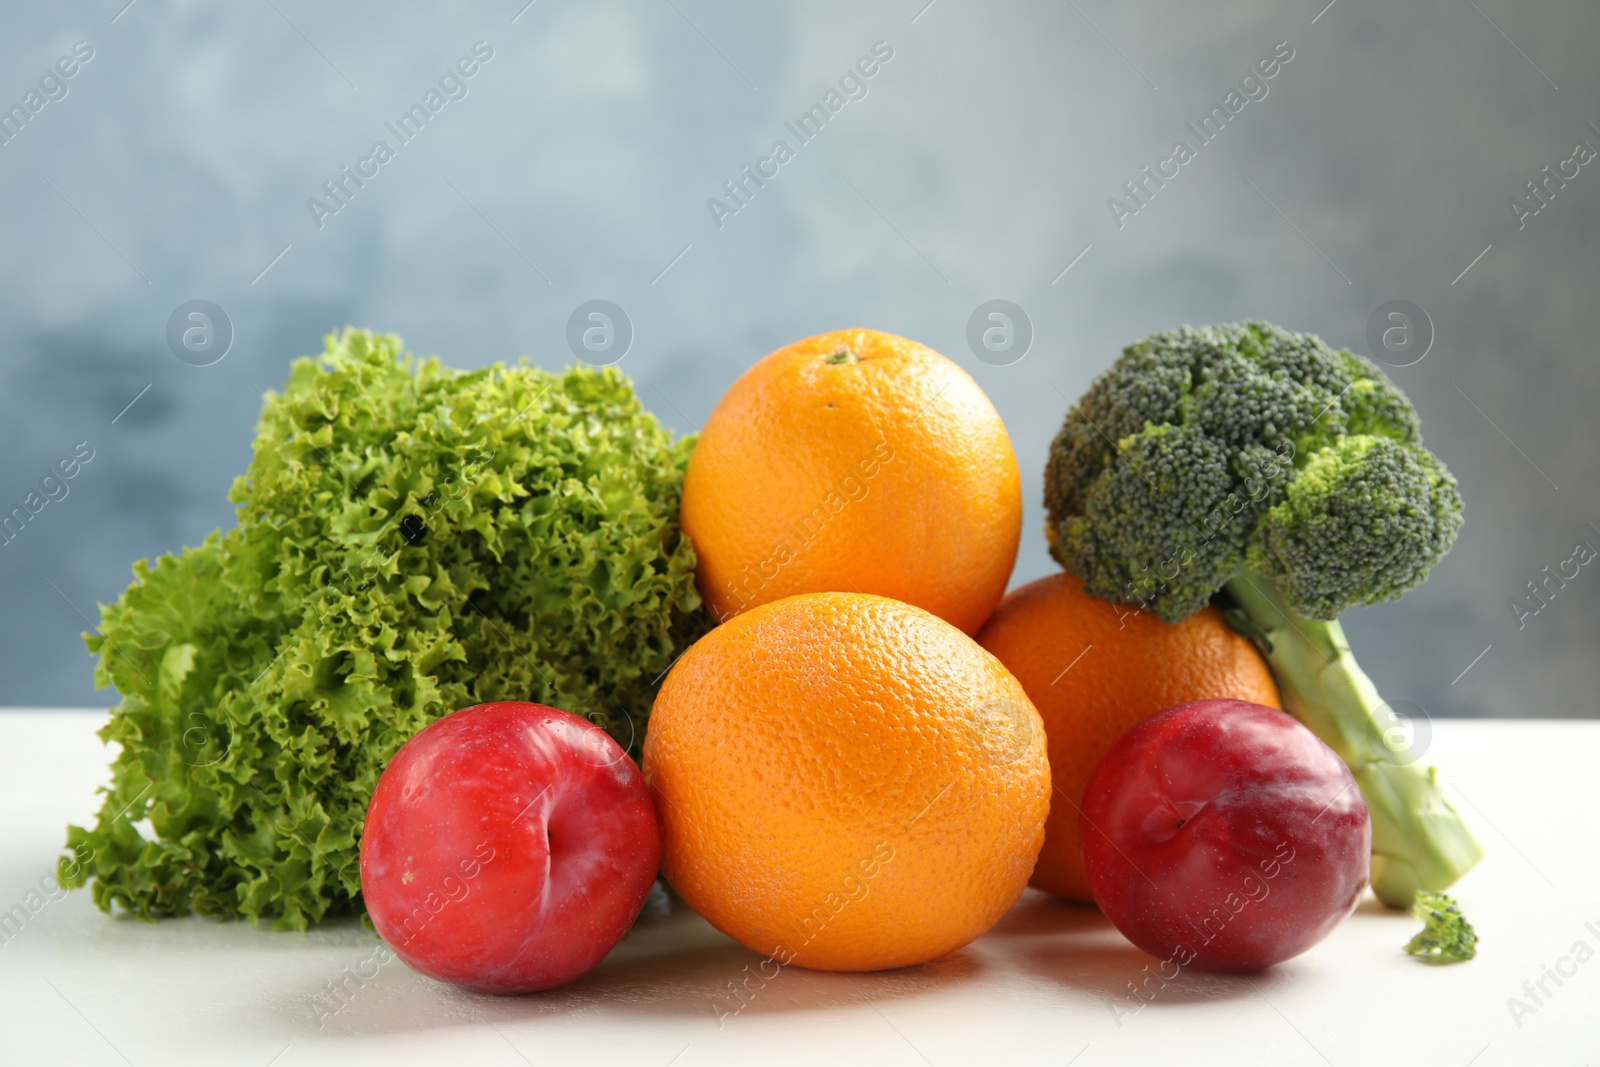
(1225, 836)
(507, 848)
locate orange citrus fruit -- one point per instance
(846, 782)
(1094, 669)
(855, 461)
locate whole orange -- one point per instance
(855, 461)
(846, 782)
(1094, 669)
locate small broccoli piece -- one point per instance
(1447, 937)
(1288, 482)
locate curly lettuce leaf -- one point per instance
(411, 539)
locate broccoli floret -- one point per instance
(1446, 937)
(1286, 481)
(1202, 452)
(1391, 508)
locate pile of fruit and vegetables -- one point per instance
(489, 652)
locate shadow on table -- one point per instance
(1074, 945)
(674, 965)
(1372, 906)
(671, 965)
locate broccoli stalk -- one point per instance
(1418, 840)
(1287, 480)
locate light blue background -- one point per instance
(978, 166)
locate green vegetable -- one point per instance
(1289, 482)
(1447, 937)
(411, 540)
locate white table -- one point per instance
(79, 987)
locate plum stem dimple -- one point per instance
(1178, 814)
(1165, 822)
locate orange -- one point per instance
(846, 782)
(1094, 669)
(855, 461)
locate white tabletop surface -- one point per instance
(1048, 985)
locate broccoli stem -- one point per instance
(1419, 842)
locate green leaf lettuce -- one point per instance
(411, 540)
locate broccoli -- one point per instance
(1447, 937)
(1285, 481)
